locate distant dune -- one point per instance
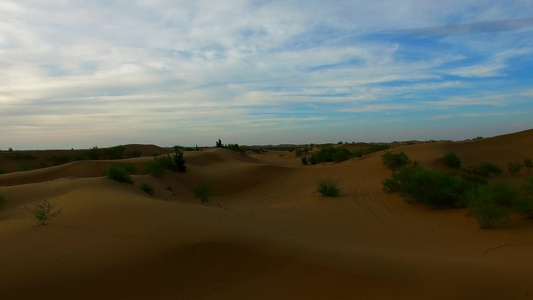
(265, 234)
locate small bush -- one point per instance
(118, 173)
(452, 160)
(395, 160)
(202, 191)
(44, 211)
(304, 160)
(514, 167)
(147, 188)
(485, 169)
(328, 187)
(528, 163)
(524, 206)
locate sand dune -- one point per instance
(266, 233)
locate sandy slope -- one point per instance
(265, 235)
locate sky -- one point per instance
(77, 74)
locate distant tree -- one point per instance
(218, 144)
(10, 149)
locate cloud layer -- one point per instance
(78, 74)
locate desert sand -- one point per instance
(265, 234)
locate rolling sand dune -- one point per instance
(266, 233)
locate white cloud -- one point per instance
(91, 66)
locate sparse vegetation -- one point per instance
(328, 153)
(44, 211)
(514, 167)
(528, 163)
(492, 204)
(118, 173)
(21, 156)
(155, 167)
(452, 160)
(428, 187)
(328, 187)
(373, 148)
(202, 191)
(147, 188)
(23, 166)
(395, 160)
(116, 152)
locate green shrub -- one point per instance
(391, 184)
(118, 173)
(329, 154)
(452, 160)
(44, 211)
(432, 188)
(328, 187)
(147, 188)
(304, 160)
(155, 168)
(525, 202)
(528, 163)
(130, 168)
(178, 162)
(202, 191)
(492, 204)
(485, 169)
(395, 160)
(514, 167)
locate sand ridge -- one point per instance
(266, 234)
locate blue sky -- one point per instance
(84, 73)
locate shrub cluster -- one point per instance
(429, 187)
(328, 187)
(489, 204)
(328, 153)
